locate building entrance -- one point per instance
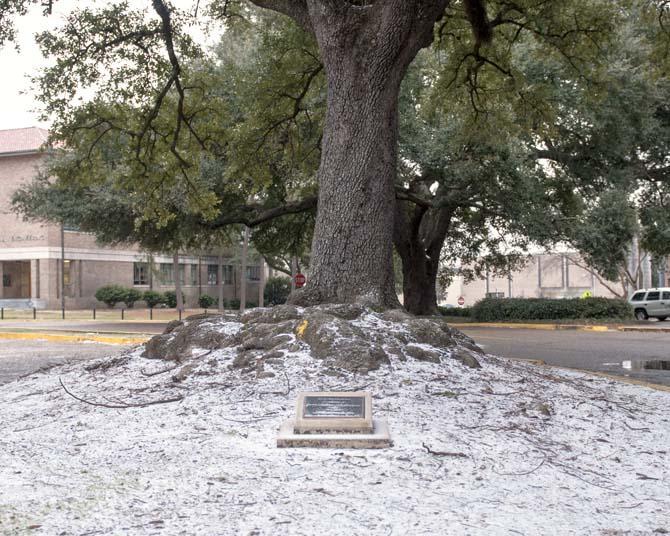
(15, 280)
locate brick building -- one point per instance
(31, 253)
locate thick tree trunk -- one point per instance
(418, 236)
(419, 283)
(366, 51)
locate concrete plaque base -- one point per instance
(379, 438)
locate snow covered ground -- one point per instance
(508, 449)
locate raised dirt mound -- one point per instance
(348, 337)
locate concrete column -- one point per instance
(219, 282)
(261, 282)
(646, 271)
(243, 275)
(34, 279)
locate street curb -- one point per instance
(558, 327)
(83, 337)
(544, 327)
(606, 375)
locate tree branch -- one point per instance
(295, 9)
(254, 215)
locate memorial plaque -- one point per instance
(333, 412)
(334, 420)
(334, 406)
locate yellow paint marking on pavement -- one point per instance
(53, 337)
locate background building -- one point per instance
(31, 256)
(544, 276)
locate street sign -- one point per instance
(461, 300)
(300, 280)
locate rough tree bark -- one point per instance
(366, 48)
(419, 234)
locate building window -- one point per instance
(166, 273)
(227, 274)
(140, 273)
(212, 274)
(495, 294)
(194, 274)
(67, 272)
(6, 280)
(253, 273)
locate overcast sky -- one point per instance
(18, 107)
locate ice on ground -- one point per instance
(511, 448)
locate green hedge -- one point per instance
(206, 301)
(170, 298)
(234, 304)
(455, 311)
(153, 298)
(504, 309)
(111, 294)
(277, 290)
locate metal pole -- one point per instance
(93, 313)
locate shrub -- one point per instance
(170, 298)
(132, 295)
(502, 309)
(455, 311)
(206, 301)
(235, 304)
(277, 290)
(153, 298)
(110, 294)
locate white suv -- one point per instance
(652, 302)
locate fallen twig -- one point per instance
(442, 453)
(121, 406)
(156, 373)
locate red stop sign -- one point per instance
(461, 300)
(300, 280)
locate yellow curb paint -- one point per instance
(53, 337)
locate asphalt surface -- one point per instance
(21, 357)
(88, 326)
(630, 354)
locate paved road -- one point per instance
(624, 353)
(20, 357)
(92, 326)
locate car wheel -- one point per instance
(661, 318)
(641, 314)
